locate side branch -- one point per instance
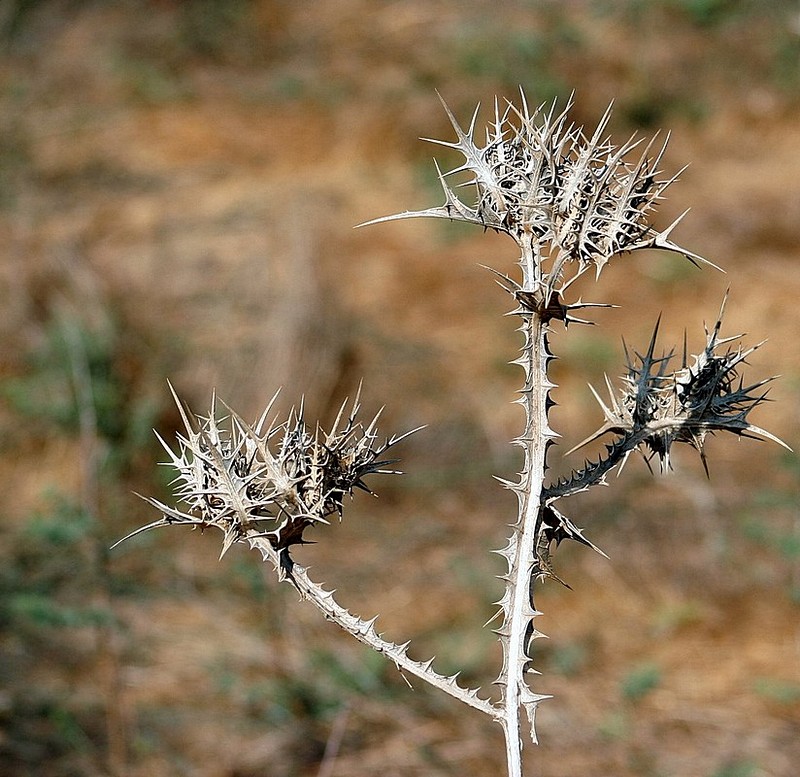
(594, 473)
(239, 479)
(364, 630)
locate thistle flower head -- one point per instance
(279, 478)
(658, 407)
(559, 192)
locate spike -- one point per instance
(230, 537)
(662, 240)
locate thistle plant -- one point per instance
(572, 201)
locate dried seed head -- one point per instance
(657, 407)
(571, 196)
(232, 476)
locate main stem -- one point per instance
(520, 631)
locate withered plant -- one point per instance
(572, 202)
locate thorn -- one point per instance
(403, 675)
(230, 538)
(493, 618)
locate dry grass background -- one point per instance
(178, 181)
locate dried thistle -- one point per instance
(571, 201)
(657, 408)
(235, 477)
(565, 197)
(264, 484)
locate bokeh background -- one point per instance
(179, 183)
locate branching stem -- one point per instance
(572, 201)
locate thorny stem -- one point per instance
(596, 472)
(531, 263)
(364, 630)
(520, 630)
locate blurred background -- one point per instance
(179, 183)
